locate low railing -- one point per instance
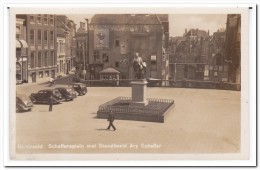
(136, 110)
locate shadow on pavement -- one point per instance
(103, 129)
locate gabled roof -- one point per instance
(125, 19)
(109, 70)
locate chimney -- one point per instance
(185, 31)
(208, 32)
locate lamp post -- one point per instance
(84, 62)
(87, 43)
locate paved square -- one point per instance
(203, 121)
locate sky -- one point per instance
(178, 22)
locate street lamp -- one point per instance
(84, 63)
(87, 42)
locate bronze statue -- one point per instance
(139, 67)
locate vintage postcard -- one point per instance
(129, 83)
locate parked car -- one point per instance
(67, 93)
(23, 103)
(80, 88)
(43, 96)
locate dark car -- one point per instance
(43, 96)
(23, 103)
(67, 93)
(80, 88)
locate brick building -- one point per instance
(41, 39)
(66, 43)
(115, 38)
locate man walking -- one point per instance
(50, 103)
(111, 119)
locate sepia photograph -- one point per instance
(141, 83)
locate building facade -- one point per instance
(188, 55)
(233, 47)
(81, 60)
(216, 68)
(115, 38)
(41, 38)
(21, 52)
(66, 44)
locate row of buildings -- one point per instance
(50, 45)
(199, 56)
(104, 47)
(45, 46)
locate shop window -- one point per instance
(40, 74)
(47, 73)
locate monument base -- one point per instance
(139, 104)
(139, 92)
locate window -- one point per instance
(45, 37)
(117, 64)
(52, 37)
(96, 56)
(153, 59)
(32, 60)
(51, 58)
(45, 19)
(40, 74)
(51, 19)
(47, 73)
(45, 58)
(105, 57)
(39, 19)
(117, 43)
(32, 37)
(31, 19)
(39, 37)
(39, 59)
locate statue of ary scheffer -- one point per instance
(139, 67)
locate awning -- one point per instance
(21, 44)
(24, 43)
(18, 44)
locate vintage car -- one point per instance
(23, 103)
(80, 88)
(68, 93)
(43, 96)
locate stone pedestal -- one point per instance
(139, 93)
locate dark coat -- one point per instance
(111, 117)
(51, 101)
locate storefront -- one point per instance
(21, 61)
